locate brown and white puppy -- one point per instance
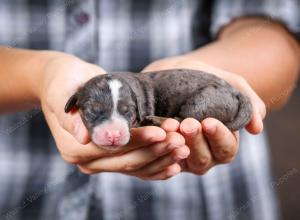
(112, 103)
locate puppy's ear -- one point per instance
(143, 94)
(140, 108)
(72, 103)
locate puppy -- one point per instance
(112, 103)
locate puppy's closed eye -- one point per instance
(124, 109)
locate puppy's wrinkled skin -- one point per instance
(111, 104)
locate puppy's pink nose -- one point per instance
(112, 136)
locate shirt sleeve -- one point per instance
(287, 12)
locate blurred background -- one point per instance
(283, 128)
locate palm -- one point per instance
(220, 146)
(63, 77)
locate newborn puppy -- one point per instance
(112, 103)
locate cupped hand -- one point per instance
(210, 141)
(151, 154)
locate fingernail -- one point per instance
(172, 146)
(159, 137)
(211, 129)
(180, 157)
(191, 132)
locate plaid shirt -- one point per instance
(35, 183)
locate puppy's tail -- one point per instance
(244, 114)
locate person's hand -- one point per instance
(210, 141)
(151, 153)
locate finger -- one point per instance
(169, 172)
(181, 153)
(223, 143)
(259, 109)
(237, 81)
(73, 124)
(200, 158)
(141, 137)
(162, 163)
(189, 125)
(259, 106)
(70, 122)
(145, 135)
(170, 124)
(75, 153)
(72, 151)
(255, 126)
(134, 160)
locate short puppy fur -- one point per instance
(112, 103)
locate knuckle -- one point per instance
(200, 167)
(127, 167)
(144, 178)
(225, 154)
(199, 163)
(228, 160)
(165, 176)
(142, 175)
(203, 161)
(174, 138)
(201, 171)
(70, 159)
(158, 149)
(85, 171)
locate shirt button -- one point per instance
(82, 18)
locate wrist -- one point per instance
(20, 76)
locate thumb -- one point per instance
(146, 135)
(72, 123)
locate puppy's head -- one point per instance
(108, 109)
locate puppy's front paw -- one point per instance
(153, 120)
